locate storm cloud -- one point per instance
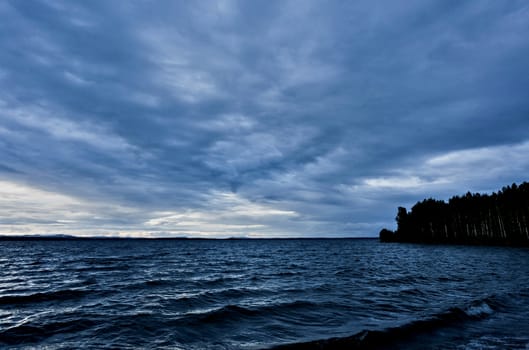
(237, 118)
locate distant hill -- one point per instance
(500, 218)
(62, 237)
(56, 237)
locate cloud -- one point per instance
(226, 215)
(325, 116)
(46, 119)
(398, 182)
(28, 210)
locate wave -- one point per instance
(400, 280)
(214, 281)
(237, 293)
(28, 333)
(59, 295)
(238, 313)
(224, 314)
(377, 339)
(153, 283)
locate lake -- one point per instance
(261, 294)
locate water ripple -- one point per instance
(298, 294)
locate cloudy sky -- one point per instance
(255, 118)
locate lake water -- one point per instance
(260, 294)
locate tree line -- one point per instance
(501, 218)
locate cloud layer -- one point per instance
(234, 118)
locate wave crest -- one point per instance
(372, 339)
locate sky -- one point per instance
(255, 118)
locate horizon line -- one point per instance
(73, 237)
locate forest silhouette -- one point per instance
(500, 218)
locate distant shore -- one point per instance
(108, 238)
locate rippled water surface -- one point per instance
(255, 294)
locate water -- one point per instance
(259, 294)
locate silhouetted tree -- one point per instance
(498, 218)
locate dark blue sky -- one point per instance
(255, 118)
